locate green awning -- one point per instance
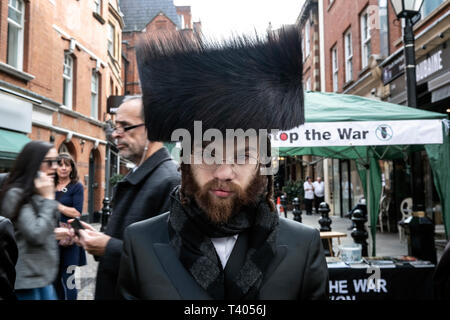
(11, 143)
(335, 107)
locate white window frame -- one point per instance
(182, 21)
(68, 80)
(365, 39)
(308, 84)
(19, 5)
(94, 94)
(348, 49)
(307, 38)
(98, 6)
(111, 39)
(335, 68)
(303, 46)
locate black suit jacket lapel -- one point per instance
(184, 284)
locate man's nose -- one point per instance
(224, 172)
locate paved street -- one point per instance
(387, 244)
(87, 275)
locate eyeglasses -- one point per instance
(120, 130)
(238, 164)
(51, 162)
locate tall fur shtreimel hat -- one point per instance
(243, 83)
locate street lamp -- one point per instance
(408, 9)
(420, 227)
(106, 210)
(405, 8)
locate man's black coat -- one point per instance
(8, 259)
(142, 194)
(150, 269)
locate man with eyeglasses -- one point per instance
(142, 194)
(222, 237)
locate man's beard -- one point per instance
(220, 210)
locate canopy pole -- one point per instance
(369, 213)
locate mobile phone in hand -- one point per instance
(76, 225)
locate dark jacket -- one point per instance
(441, 277)
(150, 269)
(8, 259)
(142, 194)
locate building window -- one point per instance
(307, 38)
(308, 84)
(94, 95)
(15, 33)
(68, 80)
(348, 56)
(335, 68)
(111, 39)
(182, 21)
(365, 40)
(428, 6)
(98, 7)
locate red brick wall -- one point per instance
(43, 58)
(395, 32)
(159, 24)
(337, 19)
(185, 11)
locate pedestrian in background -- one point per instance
(309, 195)
(319, 193)
(141, 194)
(8, 259)
(28, 200)
(70, 195)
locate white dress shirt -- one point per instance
(319, 188)
(308, 187)
(224, 246)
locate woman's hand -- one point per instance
(64, 235)
(45, 186)
(61, 233)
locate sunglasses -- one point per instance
(51, 162)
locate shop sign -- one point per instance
(429, 66)
(393, 70)
(15, 113)
(361, 133)
(434, 64)
(113, 103)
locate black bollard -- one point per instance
(106, 212)
(283, 200)
(324, 221)
(297, 211)
(325, 225)
(359, 232)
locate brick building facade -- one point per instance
(144, 18)
(361, 53)
(59, 60)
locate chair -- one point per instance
(384, 212)
(406, 211)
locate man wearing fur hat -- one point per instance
(222, 238)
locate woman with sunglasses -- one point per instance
(70, 195)
(28, 199)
